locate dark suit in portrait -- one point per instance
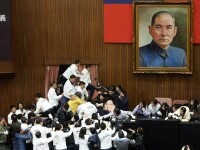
(151, 55)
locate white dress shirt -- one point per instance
(76, 131)
(43, 130)
(153, 109)
(125, 114)
(42, 105)
(42, 143)
(87, 109)
(122, 115)
(18, 111)
(85, 77)
(83, 143)
(59, 140)
(9, 117)
(53, 97)
(69, 89)
(71, 70)
(105, 138)
(84, 92)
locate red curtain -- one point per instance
(51, 74)
(94, 73)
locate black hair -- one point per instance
(87, 66)
(32, 106)
(47, 123)
(88, 121)
(23, 119)
(72, 76)
(14, 118)
(93, 130)
(20, 103)
(81, 83)
(31, 115)
(38, 134)
(58, 126)
(12, 106)
(121, 134)
(124, 92)
(82, 132)
(144, 103)
(19, 116)
(66, 106)
(65, 124)
(161, 13)
(38, 95)
(165, 105)
(103, 126)
(112, 88)
(95, 116)
(77, 61)
(155, 102)
(176, 106)
(117, 111)
(97, 125)
(184, 110)
(38, 120)
(78, 94)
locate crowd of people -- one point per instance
(73, 120)
(185, 113)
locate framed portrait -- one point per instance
(163, 41)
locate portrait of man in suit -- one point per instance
(160, 52)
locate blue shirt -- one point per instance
(152, 55)
(19, 141)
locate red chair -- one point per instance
(181, 102)
(162, 100)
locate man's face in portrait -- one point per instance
(163, 30)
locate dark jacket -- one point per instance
(19, 141)
(94, 142)
(64, 116)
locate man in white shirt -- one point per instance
(69, 89)
(153, 108)
(43, 106)
(72, 70)
(60, 137)
(86, 109)
(81, 88)
(12, 111)
(41, 143)
(119, 114)
(21, 109)
(38, 127)
(52, 96)
(105, 136)
(85, 77)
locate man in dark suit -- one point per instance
(159, 53)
